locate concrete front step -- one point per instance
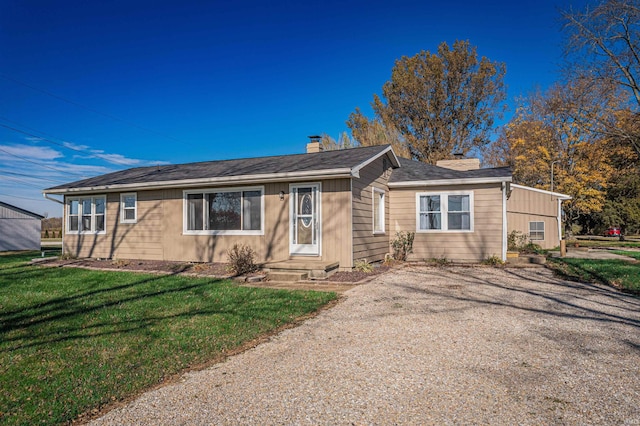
(310, 268)
(288, 276)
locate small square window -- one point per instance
(129, 208)
(536, 231)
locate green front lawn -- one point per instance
(72, 340)
(618, 273)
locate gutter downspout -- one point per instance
(559, 220)
(504, 222)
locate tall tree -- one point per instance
(604, 40)
(437, 104)
(543, 136)
(604, 48)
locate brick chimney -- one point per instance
(460, 163)
(314, 144)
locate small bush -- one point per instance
(363, 266)
(402, 245)
(241, 259)
(516, 240)
(493, 261)
(441, 261)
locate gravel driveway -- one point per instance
(429, 346)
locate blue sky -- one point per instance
(90, 87)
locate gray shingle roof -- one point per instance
(411, 171)
(316, 162)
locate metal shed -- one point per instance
(19, 228)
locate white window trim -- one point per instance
(378, 202)
(185, 215)
(80, 214)
(135, 208)
(444, 210)
(544, 230)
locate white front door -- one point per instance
(304, 212)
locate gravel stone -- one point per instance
(428, 345)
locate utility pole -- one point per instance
(552, 163)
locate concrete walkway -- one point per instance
(593, 254)
(439, 346)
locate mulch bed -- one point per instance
(208, 269)
(218, 270)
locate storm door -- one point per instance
(304, 200)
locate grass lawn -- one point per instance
(73, 340)
(618, 273)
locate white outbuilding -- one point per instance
(19, 228)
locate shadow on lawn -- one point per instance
(609, 307)
(33, 319)
(563, 270)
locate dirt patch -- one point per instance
(356, 276)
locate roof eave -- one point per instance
(441, 182)
(555, 194)
(244, 179)
(394, 159)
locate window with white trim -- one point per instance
(86, 214)
(536, 231)
(129, 207)
(224, 211)
(444, 212)
(378, 210)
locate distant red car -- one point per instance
(612, 232)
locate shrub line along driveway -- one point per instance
(429, 346)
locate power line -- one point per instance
(113, 117)
(23, 198)
(22, 182)
(63, 145)
(39, 164)
(3, 172)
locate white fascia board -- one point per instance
(356, 170)
(555, 194)
(229, 180)
(442, 182)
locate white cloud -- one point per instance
(31, 152)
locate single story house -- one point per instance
(19, 228)
(332, 207)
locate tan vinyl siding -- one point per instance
(336, 223)
(366, 244)
(483, 242)
(526, 206)
(158, 231)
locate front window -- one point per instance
(86, 214)
(536, 231)
(224, 211)
(444, 212)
